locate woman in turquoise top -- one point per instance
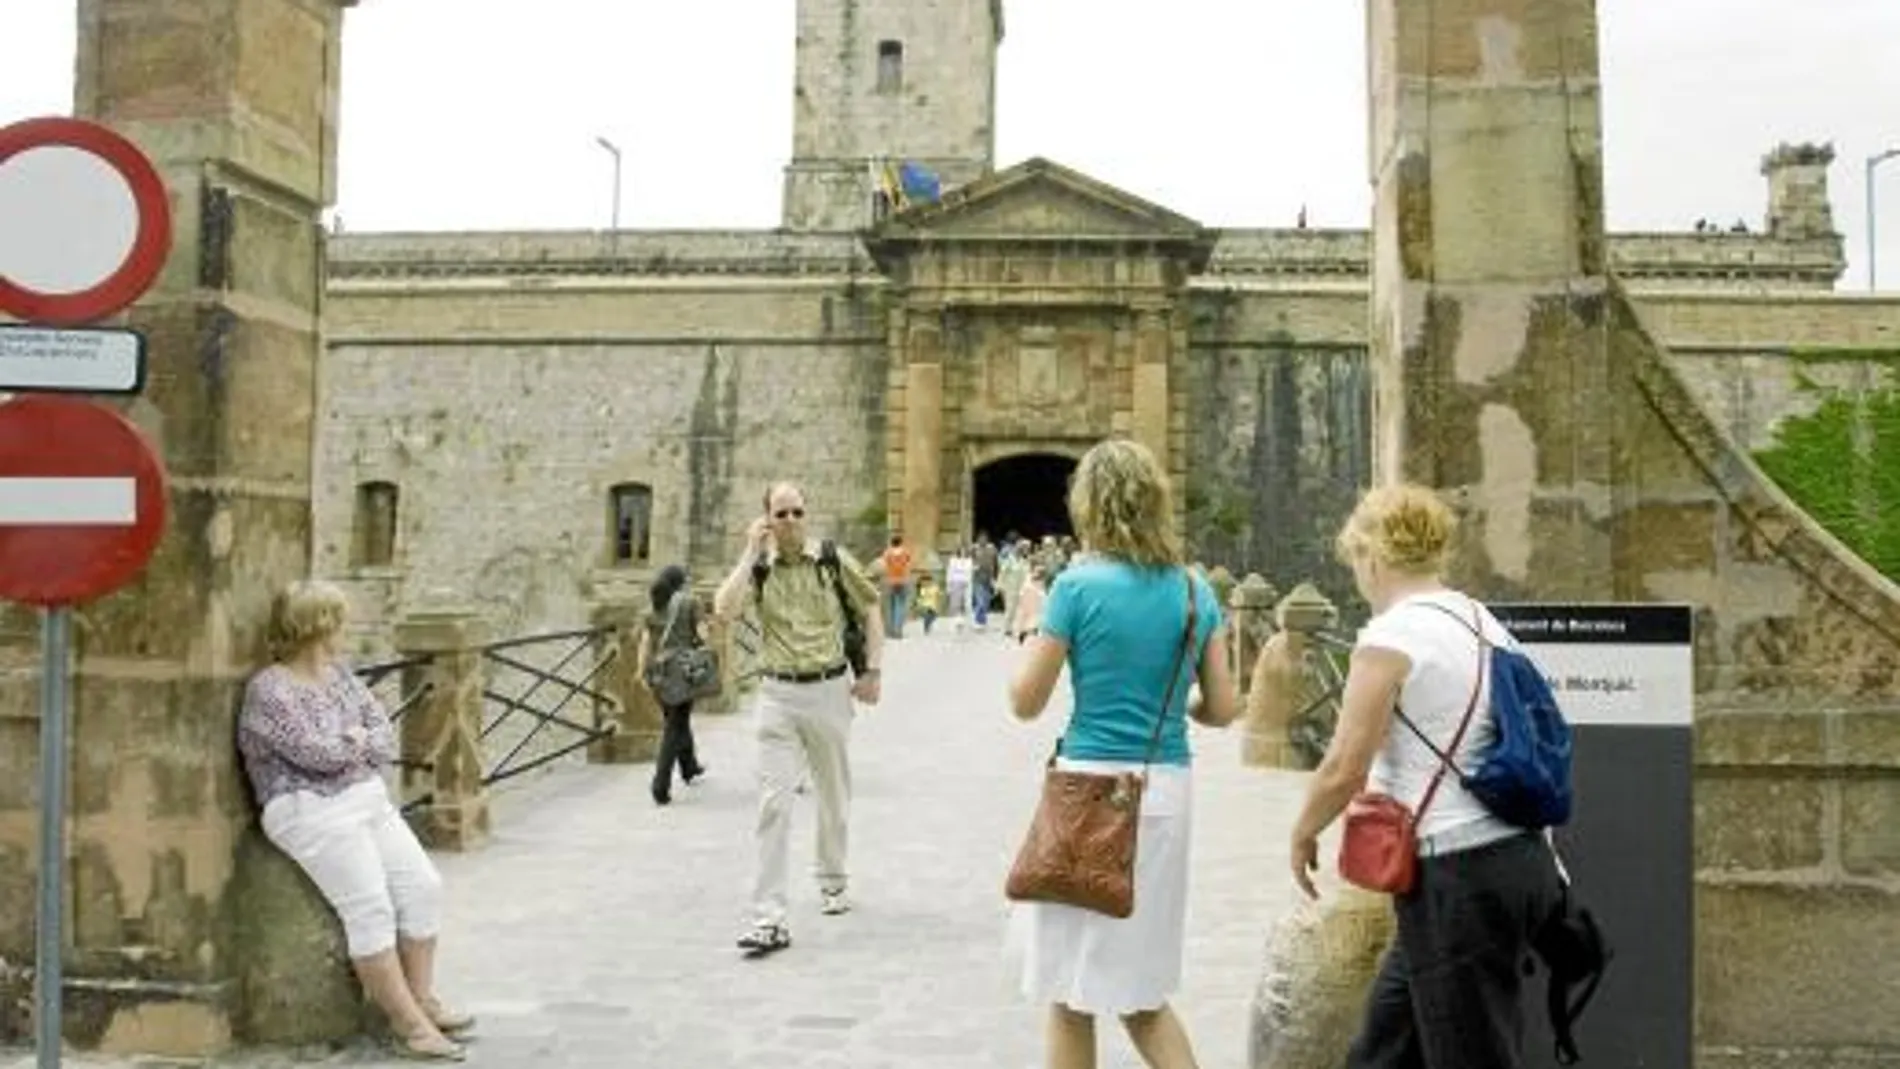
(1115, 618)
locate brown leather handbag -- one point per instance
(1080, 850)
(1378, 849)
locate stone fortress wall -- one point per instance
(504, 383)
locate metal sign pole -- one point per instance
(47, 972)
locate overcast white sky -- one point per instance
(482, 114)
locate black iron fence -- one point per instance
(516, 688)
(540, 697)
(1310, 729)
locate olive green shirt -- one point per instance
(801, 622)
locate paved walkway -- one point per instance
(597, 929)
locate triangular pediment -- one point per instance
(1041, 199)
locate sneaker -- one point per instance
(764, 939)
(833, 903)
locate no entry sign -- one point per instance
(85, 224)
(82, 501)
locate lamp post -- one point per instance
(1872, 253)
(614, 150)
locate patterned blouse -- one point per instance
(290, 733)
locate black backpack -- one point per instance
(832, 568)
(1573, 949)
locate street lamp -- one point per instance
(615, 151)
(1872, 253)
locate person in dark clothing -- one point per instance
(674, 623)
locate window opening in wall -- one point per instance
(374, 544)
(890, 66)
(631, 512)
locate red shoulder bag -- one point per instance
(1379, 847)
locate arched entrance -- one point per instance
(1026, 494)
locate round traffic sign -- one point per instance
(85, 224)
(82, 500)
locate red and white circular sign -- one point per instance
(82, 501)
(85, 224)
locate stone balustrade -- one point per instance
(1293, 737)
(631, 710)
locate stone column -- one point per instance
(1511, 369)
(182, 915)
(635, 714)
(1490, 344)
(443, 731)
(923, 431)
(1148, 423)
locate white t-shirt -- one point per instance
(1444, 656)
(958, 573)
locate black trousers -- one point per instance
(676, 748)
(1450, 992)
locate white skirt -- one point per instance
(1098, 964)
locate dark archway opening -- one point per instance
(1026, 494)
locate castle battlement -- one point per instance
(1711, 260)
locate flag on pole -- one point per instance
(919, 183)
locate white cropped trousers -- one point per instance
(360, 853)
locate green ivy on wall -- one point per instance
(1842, 464)
(1222, 512)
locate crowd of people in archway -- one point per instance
(971, 585)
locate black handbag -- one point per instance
(679, 675)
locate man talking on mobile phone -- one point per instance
(814, 603)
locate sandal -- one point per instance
(430, 1048)
(447, 1021)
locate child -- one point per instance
(929, 601)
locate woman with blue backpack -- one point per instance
(1435, 766)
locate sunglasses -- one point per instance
(789, 514)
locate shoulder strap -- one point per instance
(1446, 762)
(1174, 676)
(834, 568)
(672, 614)
(1564, 1008)
(1400, 713)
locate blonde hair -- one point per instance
(1122, 504)
(1405, 527)
(306, 611)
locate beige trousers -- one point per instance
(801, 725)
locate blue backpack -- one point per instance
(1524, 777)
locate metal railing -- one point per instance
(375, 676)
(1310, 729)
(526, 722)
(501, 707)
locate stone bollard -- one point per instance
(634, 714)
(443, 731)
(1320, 963)
(1222, 581)
(1307, 612)
(1250, 625)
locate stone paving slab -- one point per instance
(596, 930)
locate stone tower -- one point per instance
(888, 80)
(1797, 191)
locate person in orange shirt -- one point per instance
(894, 566)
